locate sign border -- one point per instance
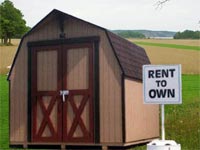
(179, 81)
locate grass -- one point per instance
(3, 112)
(182, 121)
(185, 47)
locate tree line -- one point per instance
(129, 34)
(187, 34)
(12, 24)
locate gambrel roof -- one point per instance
(130, 56)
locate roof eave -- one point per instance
(123, 73)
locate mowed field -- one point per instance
(184, 52)
(186, 42)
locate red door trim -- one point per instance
(87, 96)
(36, 97)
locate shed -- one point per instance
(75, 83)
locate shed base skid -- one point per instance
(78, 146)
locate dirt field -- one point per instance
(6, 55)
(170, 41)
(190, 60)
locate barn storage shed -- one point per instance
(75, 83)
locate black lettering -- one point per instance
(171, 93)
(172, 72)
(158, 83)
(165, 73)
(152, 93)
(151, 73)
(158, 73)
(161, 93)
(163, 83)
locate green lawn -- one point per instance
(4, 105)
(185, 47)
(182, 121)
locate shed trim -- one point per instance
(92, 39)
(96, 93)
(9, 98)
(114, 51)
(29, 109)
(64, 41)
(123, 108)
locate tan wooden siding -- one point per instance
(77, 79)
(19, 83)
(53, 116)
(77, 68)
(47, 70)
(142, 121)
(46, 81)
(110, 81)
(71, 115)
(18, 97)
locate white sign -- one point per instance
(162, 84)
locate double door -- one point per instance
(62, 93)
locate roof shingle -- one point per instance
(131, 57)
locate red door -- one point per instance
(62, 96)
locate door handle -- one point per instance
(63, 93)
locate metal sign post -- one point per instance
(162, 85)
(163, 120)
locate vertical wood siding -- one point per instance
(110, 81)
(77, 79)
(47, 70)
(46, 81)
(142, 121)
(19, 83)
(77, 69)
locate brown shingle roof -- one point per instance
(131, 57)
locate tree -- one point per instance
(12, 23)
(129, 34)
(187, 34)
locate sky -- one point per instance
(175, 15)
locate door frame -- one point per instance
(54, 98)
(94, 40)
